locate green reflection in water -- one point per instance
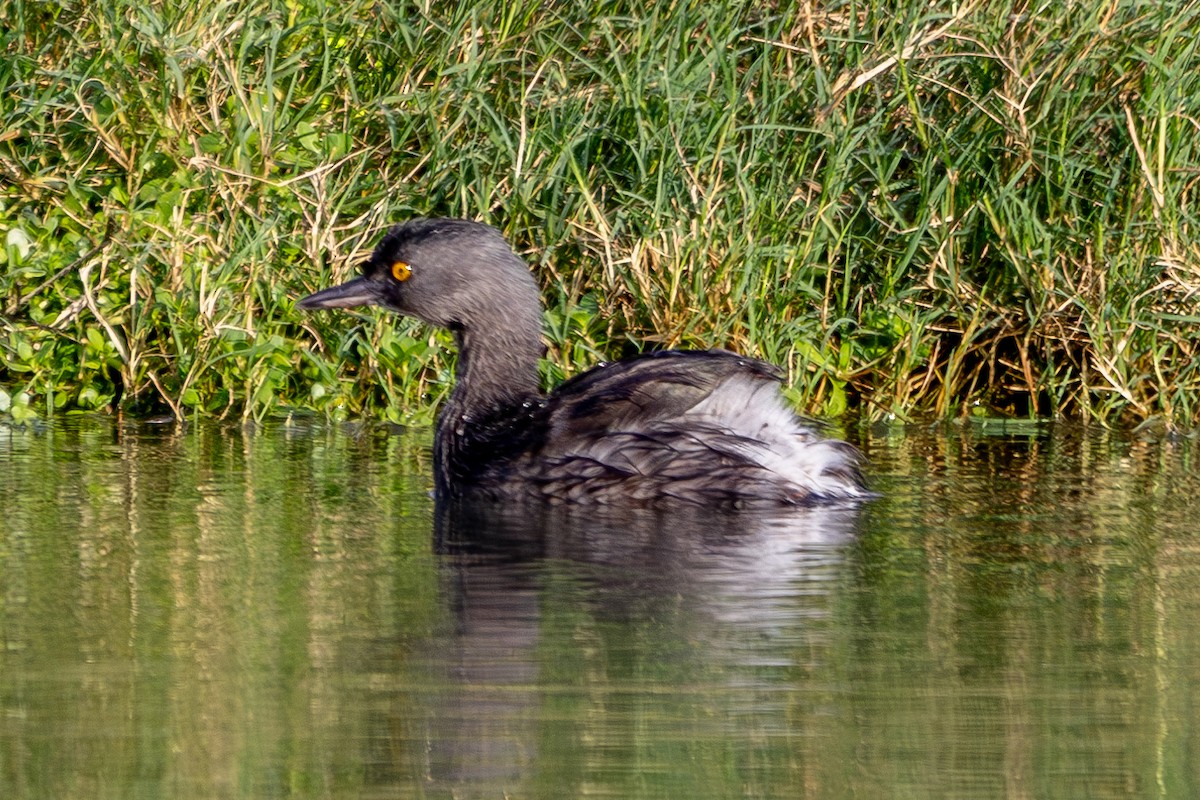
(269, 614)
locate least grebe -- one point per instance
(708, 427)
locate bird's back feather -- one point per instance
(693, 426)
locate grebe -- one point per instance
(703, 427)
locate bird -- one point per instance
(700, 427)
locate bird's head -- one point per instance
(447, 272)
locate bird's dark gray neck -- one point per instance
(496, 369)
(487, 416)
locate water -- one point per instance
(217, 613)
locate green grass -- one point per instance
(917, 209)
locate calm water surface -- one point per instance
(216, 613)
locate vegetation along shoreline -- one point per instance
(918, 211)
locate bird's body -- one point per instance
(705, 427)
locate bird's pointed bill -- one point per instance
(357, 292)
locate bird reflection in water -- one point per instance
(543, 597)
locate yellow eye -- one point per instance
(401, 271)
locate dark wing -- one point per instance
(618, 433)
(705, 427)
(629, 394)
